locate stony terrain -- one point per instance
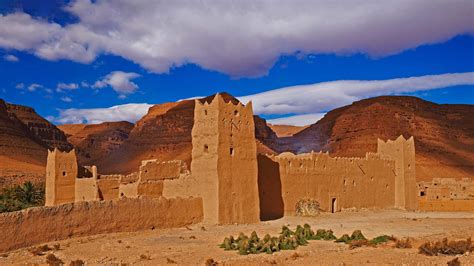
(195, 245)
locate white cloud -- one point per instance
(66, 99)
(66, 86)
(242, 38)
(324, 96)
(34, 86)
(302, 104)
(126, 112)
(120, 82)
(297, 120)
(20, 85)
(11, 58)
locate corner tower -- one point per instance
(402, 151)
(224, 161)
(61, 173)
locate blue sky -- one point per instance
(70, 63)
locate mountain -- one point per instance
(444, 133)
(444, 136)
(286, 130)
(24, 139)
(93, 142)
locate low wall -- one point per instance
(446, 205)
(44, 224)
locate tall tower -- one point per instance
(61, 173)
(224, 161)
(402, 151)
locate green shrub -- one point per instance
(382, 239)
(21, 197)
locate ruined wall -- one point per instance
(224, 163)
(446, 189)
(61, 173)
(86, 188)
(336, 183)
(402, 151)
(43, 224)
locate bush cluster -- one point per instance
(287, 240)
(21, 197)
(290, 240)
(446, 247)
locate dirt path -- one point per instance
(194, 245)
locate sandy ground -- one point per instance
(195, 244)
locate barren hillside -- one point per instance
(286, 130)
(24, 139)
(93, 142)
(444, 134)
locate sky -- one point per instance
(109, 60)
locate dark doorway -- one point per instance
(269, 189)
(333, 205)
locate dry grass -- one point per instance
(211, 262)
(77, 263)
(53, 260)
(360, 243)
(39, 250)
(446, 247)
(170, 261)
(145, 257)
(454, 262)
(295, 256)
(403, 243)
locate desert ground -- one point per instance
(197, 244)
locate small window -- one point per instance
(232, 151)
(236, 113)
(205, 112)
(206, 148)
(64, 173)
(422, 193)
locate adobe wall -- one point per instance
(402, 151)
(61, 173)
(43, 224)
(446, 189)
(446, 205)
(352, 182)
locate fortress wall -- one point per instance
(86, 189)
(44, 224)
(158, 170)
(150, 189)
(108, 187)
(446, 205)
(352, 182)
(446, 189)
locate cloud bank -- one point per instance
(125, 112)
(325, 96)
(297, 120)
(302, 105)
(240, 38)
